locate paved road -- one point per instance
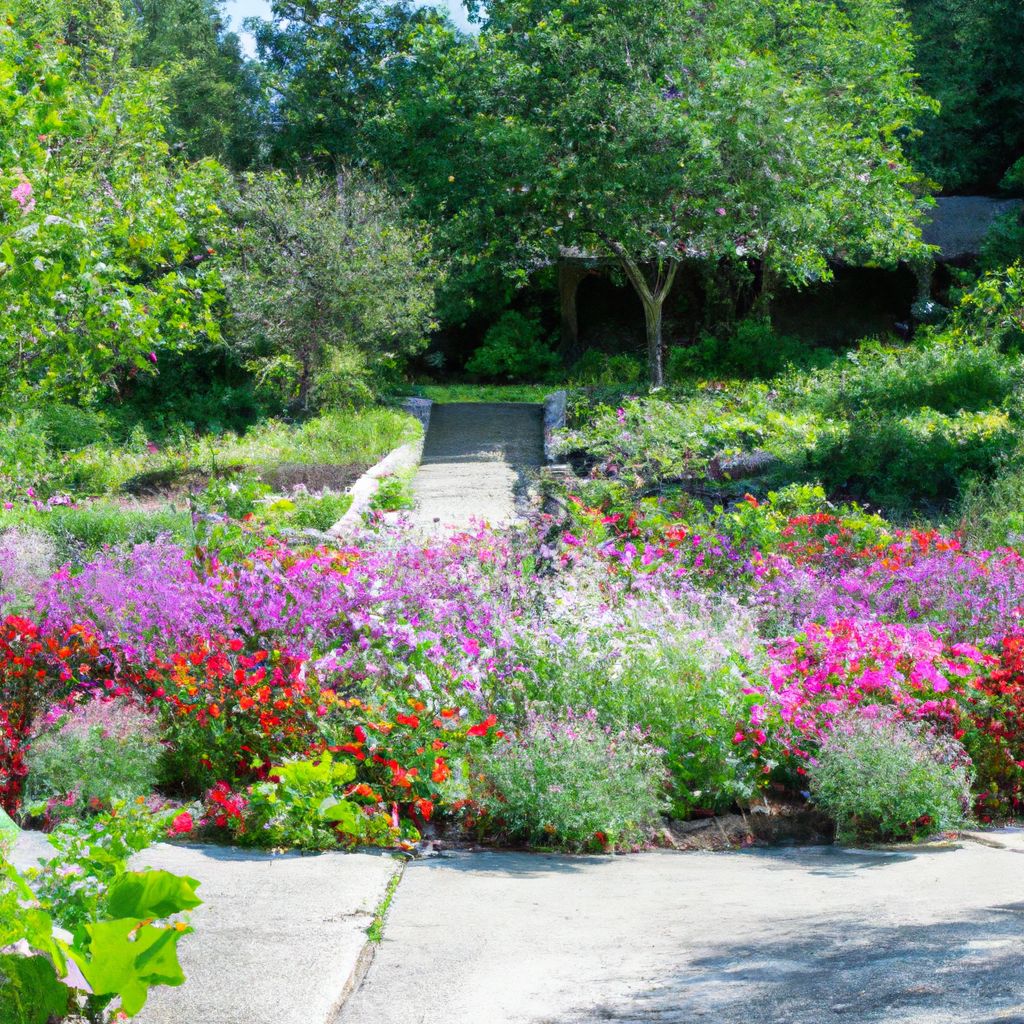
(478, 462)
(809, 936)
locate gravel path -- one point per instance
(479, 460)
(787, 936)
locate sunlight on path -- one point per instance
(818, 935)
(479, 460)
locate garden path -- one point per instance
(279, 939)
(479, 460)
(785, 936)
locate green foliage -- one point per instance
(104, 236)
(991, 512)
(753, 349)
(596, 367)
(394, 494)
(303, 806)
(968, 56)
(120, 927)
(216, 103)
(79, 531)
(513, 349)
(95, 757)
(928, 455)
(233, 496)
(306, 512)
(328, 61)
(890, 782)
(325, 278)
(663, 132)
(571, 784)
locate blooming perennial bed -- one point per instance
(731, 645)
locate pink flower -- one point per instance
(22, 195)
(720, 211)
(152, 357)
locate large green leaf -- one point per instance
(342, 813)
(30, 991)
(9, 833)
(127, 960)
(151, 894)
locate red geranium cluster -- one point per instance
(37, 671)
(406, 751)
(229, 714)
(994, 732)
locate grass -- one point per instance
(375, 933)
(104, 468)
(483, 392)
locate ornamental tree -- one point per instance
(753, 131)
(104, 238)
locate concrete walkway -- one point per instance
(278, 939)
(799, 936)
(478, 463)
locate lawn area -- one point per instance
(482, 392)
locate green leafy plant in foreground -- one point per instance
(83, 935)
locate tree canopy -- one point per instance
(665, 132)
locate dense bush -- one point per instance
(896, 462)
(597, 367)
(96, 754)
(888, 782)
(753, 349)
(569, 782)
(514, 349)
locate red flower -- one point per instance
(181, 825)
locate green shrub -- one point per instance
(938, 375)
(991, 512)
(99, 753)
(394, 494)
(674, 668)
(319, 512)
(596, 367)
(568, 782)
(514, 349)
(890, 782)
(68, 428)
(752, 350)
(79, 531)
(897, 461)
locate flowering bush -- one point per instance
(228, 714)
(889, 780)
(873, 671)
(993, 724)
(95, 753)
(570, 782)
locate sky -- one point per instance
(239, 10)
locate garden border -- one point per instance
(555, 409)
(406, 456)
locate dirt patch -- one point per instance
(175, 485)
(771, 822)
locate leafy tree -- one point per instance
(327, 61)
(325, 280)
(969, 58)
(214, 94)
(103, 238)
(753, 131)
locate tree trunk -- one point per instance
(570, 275)
(652, 325)
(652, 296)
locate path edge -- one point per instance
(555, 411)
(406, 456)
